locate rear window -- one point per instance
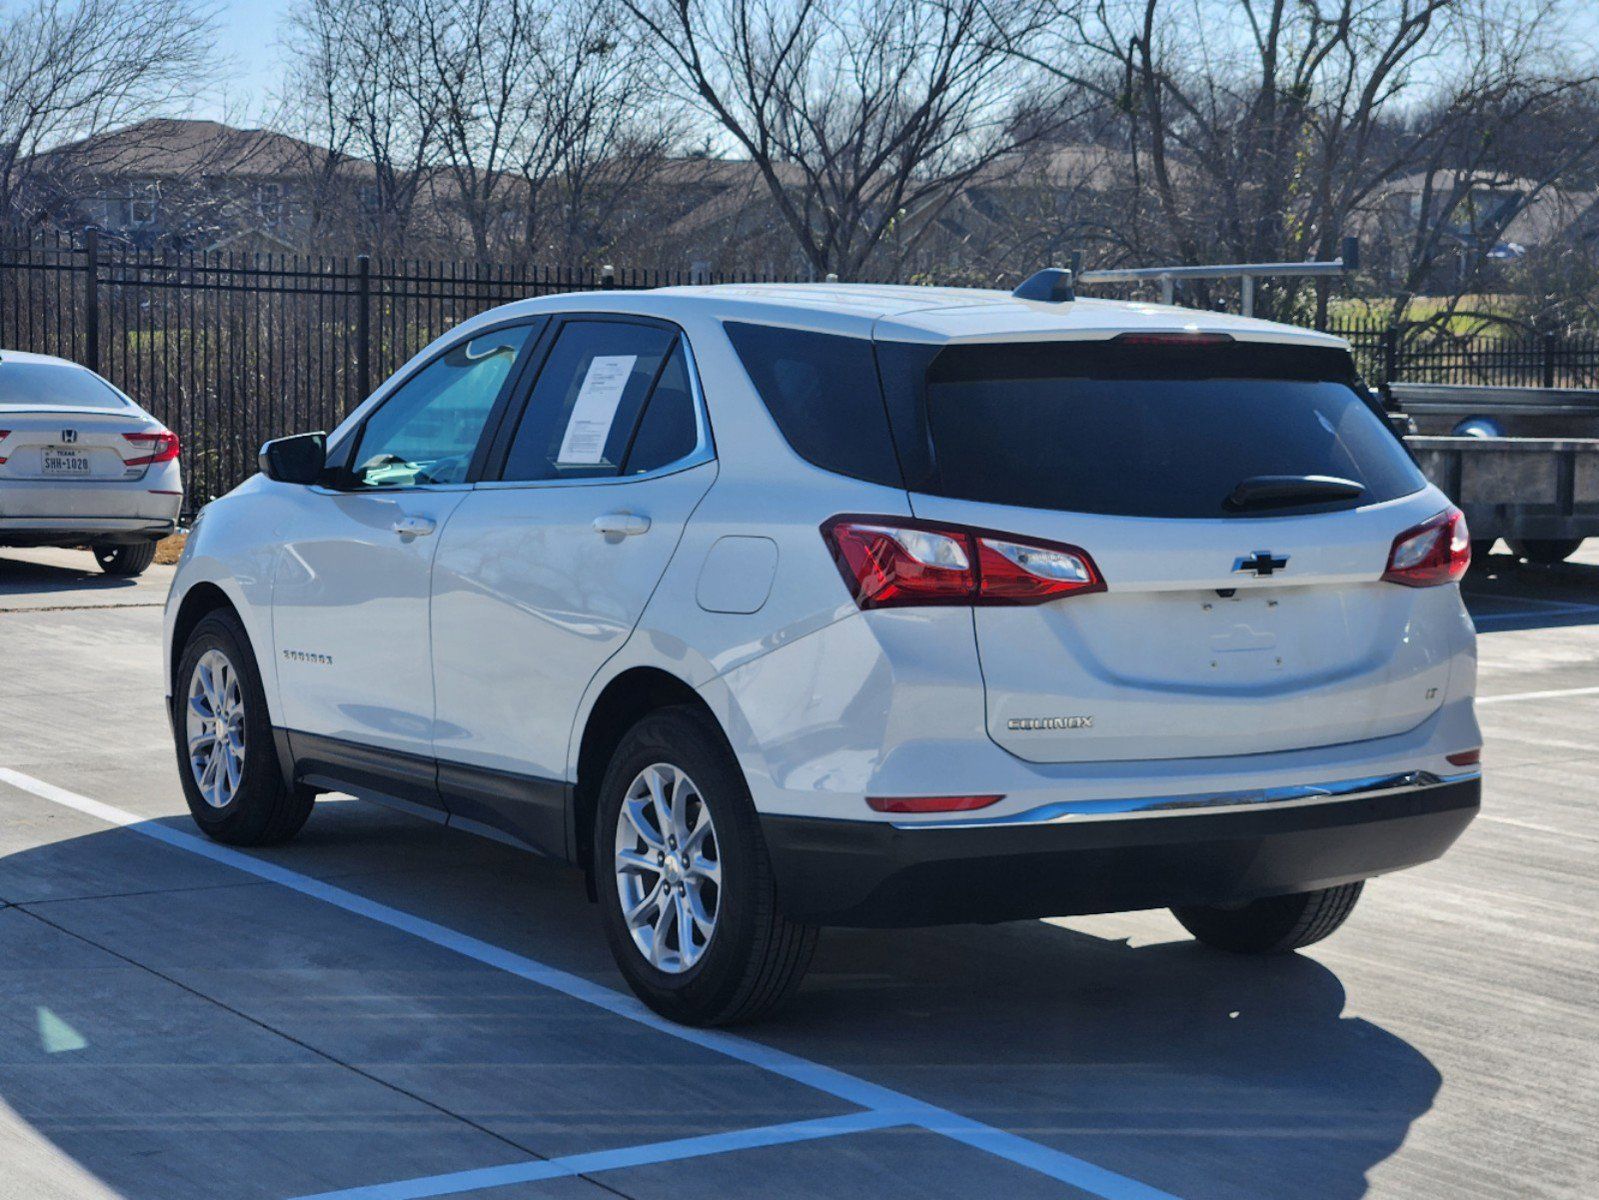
(822, 391)
(1142, 431)
(52, 385)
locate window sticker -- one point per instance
(589, 426)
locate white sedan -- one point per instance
(83, 465)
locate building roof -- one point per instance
(172, 148)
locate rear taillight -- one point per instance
(159, 447)
(1434, 552)
(892, 561)
(4, 434)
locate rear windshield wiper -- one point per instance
(1284, 491)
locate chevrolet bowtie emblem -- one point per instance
(1261, 562)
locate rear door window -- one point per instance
(1146, 432)
(580, 420)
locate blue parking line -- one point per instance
(882, 1101)
(594, 1161)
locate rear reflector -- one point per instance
(927, 804)
(891, 562)
(1466, 758)
(1435, 552)
(161, 447)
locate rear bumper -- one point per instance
(871, 873)
(72, 530)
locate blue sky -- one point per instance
(247, 36)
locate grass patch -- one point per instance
(168, 549)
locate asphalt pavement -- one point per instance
(383, 1008)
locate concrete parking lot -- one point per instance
(385, 1009)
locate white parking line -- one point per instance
(596, 1161)
(1549, 695)
(905, 1110)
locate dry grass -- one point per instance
(168, 549)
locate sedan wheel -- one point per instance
(668, 868)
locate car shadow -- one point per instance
(1199, 1073)
(22, 575)
(1504, 593)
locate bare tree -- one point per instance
(363, 80)
(71, 69)
(548, 118)
(864, 117)
(1258, 129)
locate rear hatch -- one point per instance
(1233, 621)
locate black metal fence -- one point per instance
(1505, 357)
(230, 349)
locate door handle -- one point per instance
(621, 524)
(414, 526)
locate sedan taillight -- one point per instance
(159, 447)
(4, 434)
(892, 562)
(1435, 552)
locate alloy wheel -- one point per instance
(215, 727)
(668, 868)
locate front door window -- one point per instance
(427, 430)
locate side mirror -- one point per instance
(297, 459)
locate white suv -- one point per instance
(773, 607)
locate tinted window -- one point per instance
(426, 431)
(668, 431)
(52, 385)
(822, 391)
(1148, 433)
(583, 410)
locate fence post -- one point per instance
(91, 298)
(1390, 354)
(363, 326)
(1549, 360)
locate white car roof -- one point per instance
(25, 356)
(923, 314)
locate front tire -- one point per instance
(684, 882)
(129, 559)
(1273, 925)
(227, 761)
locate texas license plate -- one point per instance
(65, 462)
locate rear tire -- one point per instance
(128, 559)
(1545, 551)
(217, 695)
(1273, 925)
(753, 957)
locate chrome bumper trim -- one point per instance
(1061, 812)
